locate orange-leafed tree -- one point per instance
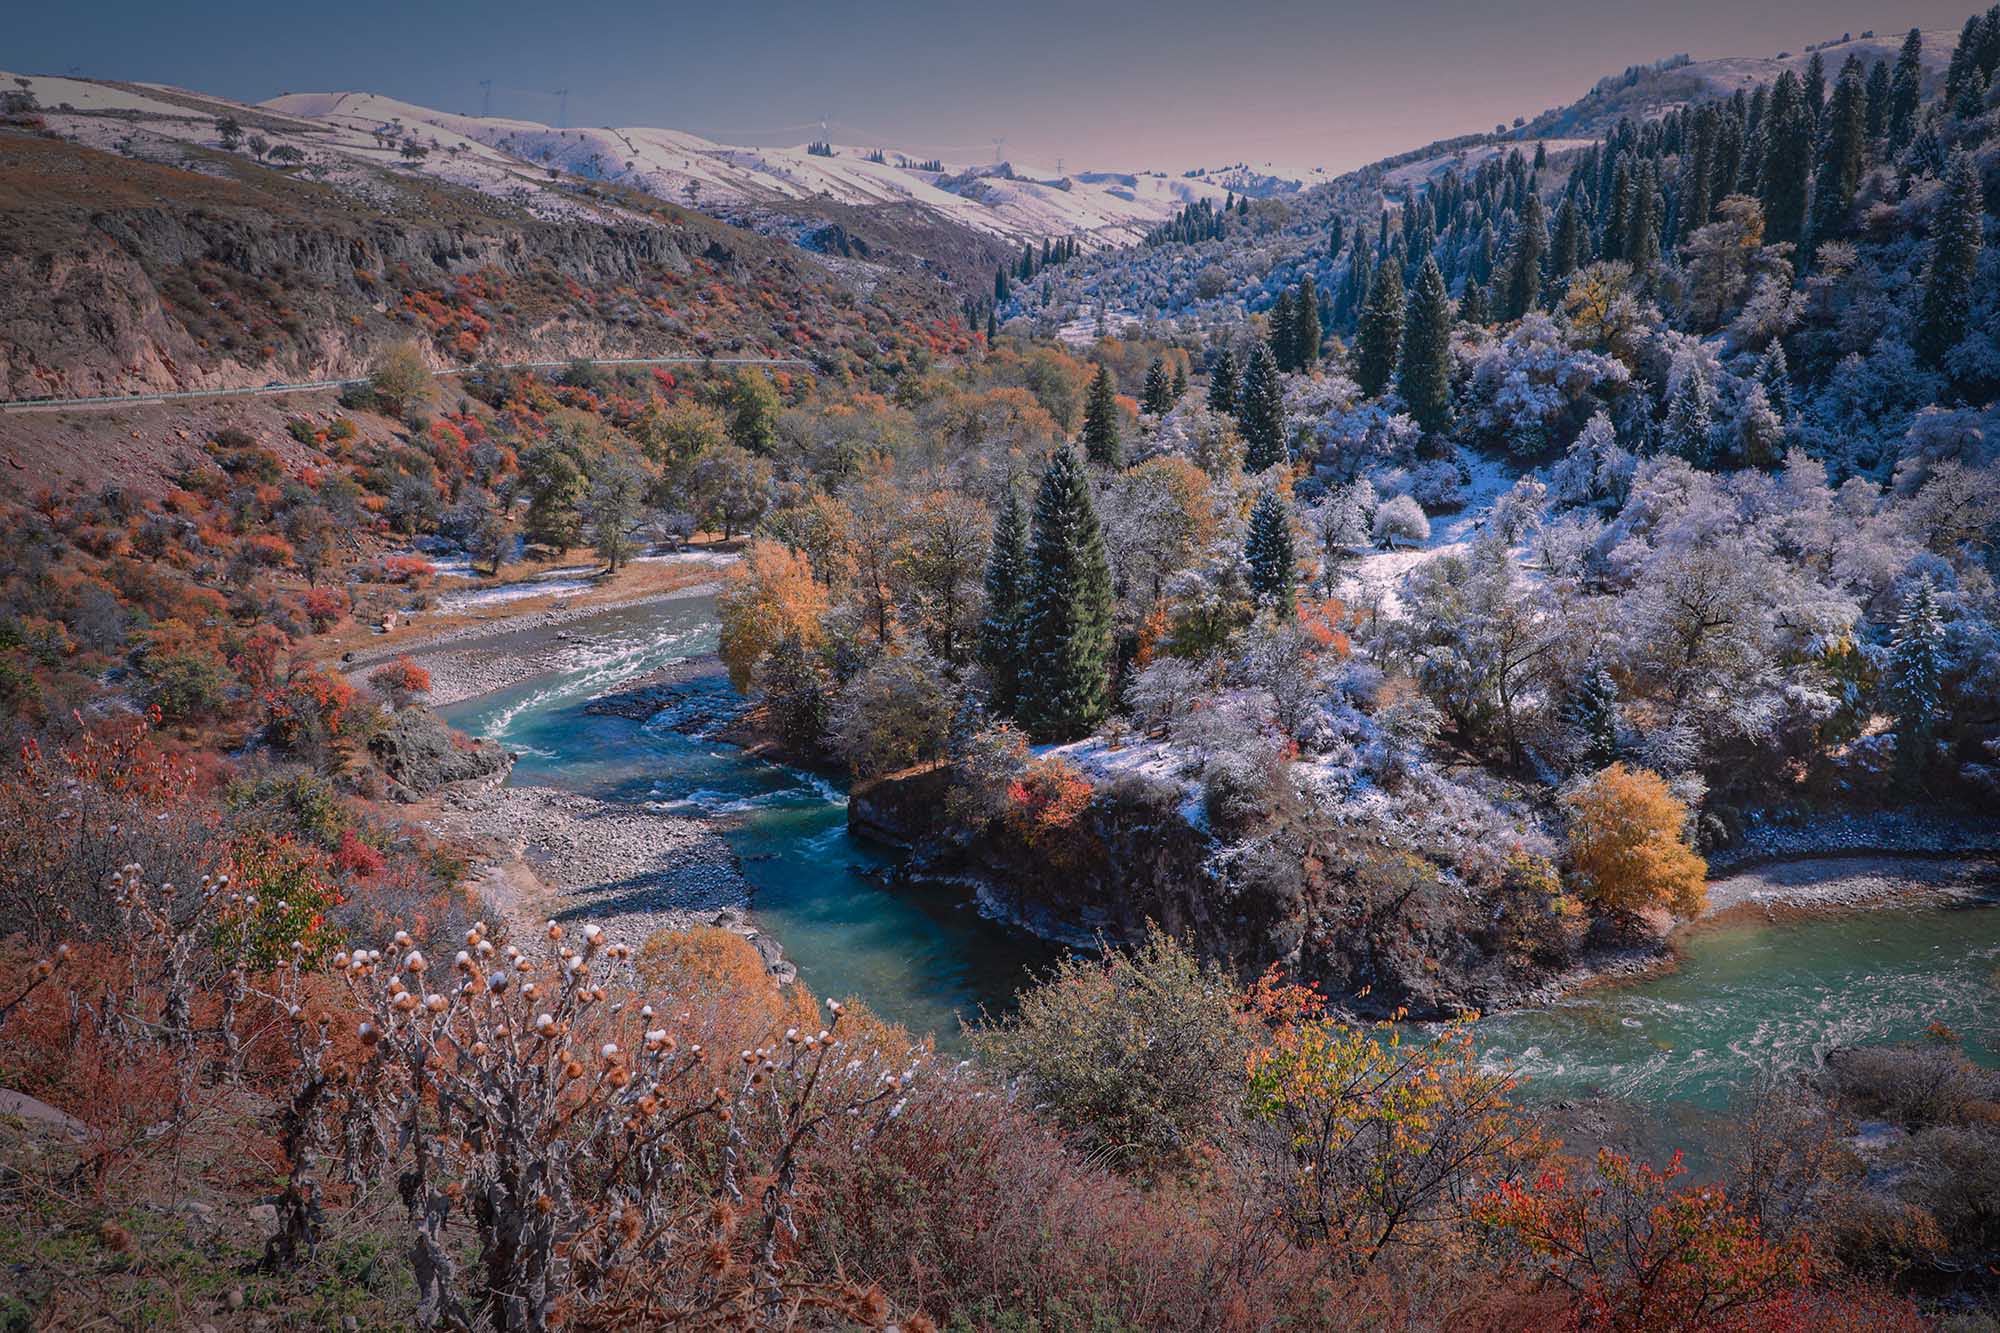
(771, 594)
(1632, 1248)
(400, 682)
(1628, 844)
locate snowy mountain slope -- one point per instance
(1650, 90)
(1099, 208)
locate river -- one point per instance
(1749, 994)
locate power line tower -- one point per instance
(485, 98)
(562, 107)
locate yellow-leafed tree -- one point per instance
(772, 594)
(1628, 845)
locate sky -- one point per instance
(1098, 84)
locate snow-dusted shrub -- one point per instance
(1165, 692)
(1532, 389)
(894, 714)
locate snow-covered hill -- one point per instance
(1018, 204)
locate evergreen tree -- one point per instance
(1954, 262)
(1643, 244)
(1423, 375)
(1590, 716)
(1775, 375)
(1001, 647)
(1618, 214)
(1269, 552)
(1566, 248)
(1260, 411)
(1787, 160)
(1222, 382)
(1379, 338)
(1697, 172)
(1906, 91)
(1523, 282)
(1877, 118)
(1689, 426)
(1159, 388)
(1842, 148)
(1100, 422)
(1000, 289)
(1815, 91)
(1305, 318)
(1477, 307)
(1068, 609)
(992, 327)
(1179, 389)
(1284, 330)
(1916, 676)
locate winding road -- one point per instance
(311, 386)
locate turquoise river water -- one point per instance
(1748, 996)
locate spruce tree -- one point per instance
(1842, 148)
(992, 326)
(1379, 338)
(1877, 118)
(1916, 675)
(1284, 330)
(1268, 551)
(1689, 424)
(1566, 247)
(1001, 649)
(1523, 285)
(1423, 374)
(1477, 307)
(1179, 388)
(1906, 91)
(1775, 375)
(1100, 422)
(1068, 609)
(1260, 411)
(1222, 382)
(1306, 331)
(1787, 161)
(1643, 243)
(1000, 288)
(1815, 90)
(1618, 212)
(1158, 387)
(1590, 716)
(1954, 262)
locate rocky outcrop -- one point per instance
(420, 755)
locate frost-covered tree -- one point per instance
(1068, 612)
(1590, 718)
(1788, 134)
(1689, 427)
(1305, 326)
(1269, 553)
(1100, 422)
(1400, 519)
(1906, 91)
(1423, 373)
(1260, 411)
(1916, 675)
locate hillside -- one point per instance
(202, 268)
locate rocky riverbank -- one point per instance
(468, 661)
(629, 869)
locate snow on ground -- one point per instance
(1085, 330)
(689, 558)
(1384, 572)
(570, 578)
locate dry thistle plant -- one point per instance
(608, 1171)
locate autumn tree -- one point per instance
(1628, 844)
(937, 567)
(400, 377)
(401, 682)
(771, 594)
